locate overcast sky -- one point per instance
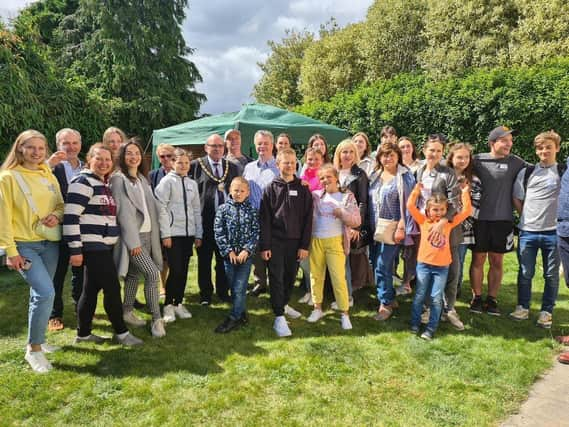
(229, 40)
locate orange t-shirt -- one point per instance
(440, 255)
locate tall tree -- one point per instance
(281, 71)
(134, 55)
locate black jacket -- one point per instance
(358, 183)
(286, 213)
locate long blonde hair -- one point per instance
(15, 156)
(346, 143)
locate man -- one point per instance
(234, 154)
(213, 174)
(68, 141)
(165, 153)
(494, 228)
(260, 174)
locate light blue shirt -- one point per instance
(70, 172)
(260, 175)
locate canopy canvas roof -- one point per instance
(249, 120)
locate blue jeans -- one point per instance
(528, 244)
(237, 277)
(431, 281)
(462, 249)
(386, 255)
(43, 256)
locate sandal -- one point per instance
(55, 324)
(385, 311)
(562, 339)
(564, 358)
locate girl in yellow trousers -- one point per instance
(334, 213)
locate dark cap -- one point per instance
(499, 132)
(230, 131)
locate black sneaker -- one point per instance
(228, 325)
(258, 290)
(491, 307)
(244, 318)
(476, 305)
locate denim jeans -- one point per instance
(238, 276)
(528, 244)
(431, 281)
(386, 255)
(43, 256)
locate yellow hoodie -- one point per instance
(16, 217)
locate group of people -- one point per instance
(345, 219)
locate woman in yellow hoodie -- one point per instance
(25, 178)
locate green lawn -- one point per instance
(376, 374)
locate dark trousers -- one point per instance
(59, 280)
(283, 266)
(100, 273)
(178, 259)
(205, 256)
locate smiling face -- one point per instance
(114, 142)
(502, 146)
(329, 180)
(320, 145)
(435, 211)
(165, 156)
(282, 142)
(264, 146)
(433, 152)
(347, 157)
(70, 143)
(214, 147)
(182, 165)
(33, 152)
(361, 145)
(132, 156)
(101, 162)
(287, 165)
(314, 160)
(460, 160)
(389, 161)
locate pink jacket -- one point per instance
(311, 177)
(350, 214)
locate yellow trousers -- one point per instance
(329, 253)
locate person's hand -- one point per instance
(242, 257)
(15, 262)
(167, 242)
(465, 187)
(418, 188)
(76, 260)
(56, 158)
(399, 235)
(354, 235)
(50, 221)
(301, 254)
(198, 243)
(266, 255)
(436, 236)
(305, 183)
(233, 258)
(136, 251)
(337, 212)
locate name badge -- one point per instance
(293, 192)
(503, 166)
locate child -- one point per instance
(460, 159)
(179, 195)
(236, 230)
(536, 192)
(335, 213)
(286, 226)
(434, 257)
(313, 160)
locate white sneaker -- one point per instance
(425, 316)
(157, 328)
(37, 361)
(291, 312)
(169, 314)
(334, 305)
(454, 320)
(520, 313)
(129, 340)
(345, 319)
(545, 319)
(182, 312)
(132, 319)
(281, 327)
(315, 316)
(305, 298)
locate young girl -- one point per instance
(180, 197)
(141, 220)
(434, 257)
(317, 142)
(27, 250)
(335, 213)
(409, 153)
(460, 159)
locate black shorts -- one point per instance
(493, 236)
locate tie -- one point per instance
(217, 173)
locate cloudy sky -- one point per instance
(230, 40)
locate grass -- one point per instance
(377, 374)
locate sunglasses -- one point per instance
(165, 156)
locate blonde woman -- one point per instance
(31, 207)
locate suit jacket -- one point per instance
(155, 175)
(207, 188)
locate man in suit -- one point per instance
(213, 174)
(68, 143)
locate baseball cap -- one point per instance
(230, 131)
(499, 132)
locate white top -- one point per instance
(326, 224)
(146, 226)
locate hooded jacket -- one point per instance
(236, 227)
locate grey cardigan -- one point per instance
(130, 216)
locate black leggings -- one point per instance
(178, 259)
(100, 273)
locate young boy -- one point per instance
(236, 231)
(286, 227)
(535, 196)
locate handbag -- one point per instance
(385, 228)
(53, 234)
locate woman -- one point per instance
(113, 137)
(362, 144)
(390, 186)
(283, 141)
(90, 230)
(355, 179)
(25, 178)
(409, 153)
(141, 220)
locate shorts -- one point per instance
(493, 236)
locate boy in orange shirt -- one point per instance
(433, 258)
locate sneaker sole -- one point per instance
(543, 326)
(494, 314)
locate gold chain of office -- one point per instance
(220, 181)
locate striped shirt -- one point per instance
(89, 220)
